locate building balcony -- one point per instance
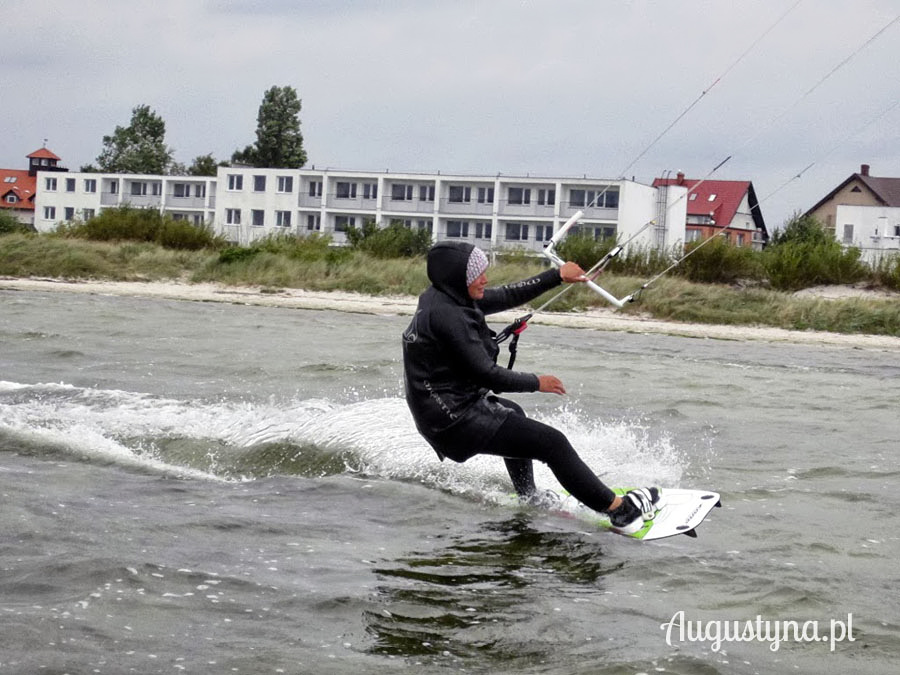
(467, 208)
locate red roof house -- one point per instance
(721, 206)
(18, 186)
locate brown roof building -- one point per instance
(860, 189)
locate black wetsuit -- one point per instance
(452, 378)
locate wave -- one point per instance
(252, 439)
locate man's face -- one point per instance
(476, 288)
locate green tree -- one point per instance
(204, 165)
(279, 143)
(801, 228)
(138, 148)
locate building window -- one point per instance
(315, 188)
(10, 179)
(848, 234)
(285, 183)
(460, 194)
(87, 214)
(49, 212)
(113, 187)
(608, 198)
(156, 189)
(314, 222)
(612, 198)
(283, 218)
(692, 235)
(200, 190)
(259, 183)
(897, 230)
(712, 197)
(426, 193)
(426, 225)
(483, 230)
(235, 181)
(457, 229)
(181, 190)
(50, 184)
(485, 195)
(69, 213)
(341, 223)
(346, 190)
(70, 185)
(138, 189)
(401, 192)
(257, 217)
(516, 232)
(520, 196)
(11, 199)
(90, 184)
(233, 216)
(370, 190)
(543, 232)
(693, 196)
(739, 240)
(547, 197)
(580, 197)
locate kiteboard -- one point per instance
(679, 511)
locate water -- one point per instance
(207, 488)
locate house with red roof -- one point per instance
(863, 211)
(727, 207)
(18, 187)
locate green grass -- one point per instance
(288, 262)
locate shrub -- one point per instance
(797, 264)
(719, 262)
(394, 241)
(311, 248)
(9, 224)
(127, 223)
(886, 272)
(583, 249)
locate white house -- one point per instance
(494, 212)
(875, 230)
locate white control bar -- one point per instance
(550, 254)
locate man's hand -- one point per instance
(571, 272)
(550, 384)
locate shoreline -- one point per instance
(598, 319)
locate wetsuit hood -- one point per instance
(447, 263)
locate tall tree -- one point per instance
(138, 148)
(204, 165)
(279, 143)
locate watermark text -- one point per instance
(717, 632)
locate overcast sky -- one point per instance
(539, 87)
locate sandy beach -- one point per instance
(597, 319)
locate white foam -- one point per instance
(379, 432)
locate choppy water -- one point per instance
(202, 488)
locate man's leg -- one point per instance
(521, 471)
(521, 438)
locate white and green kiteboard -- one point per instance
(680, 512)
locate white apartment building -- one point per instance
(493, 212)
(63, 197)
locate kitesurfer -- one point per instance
(452, 380)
